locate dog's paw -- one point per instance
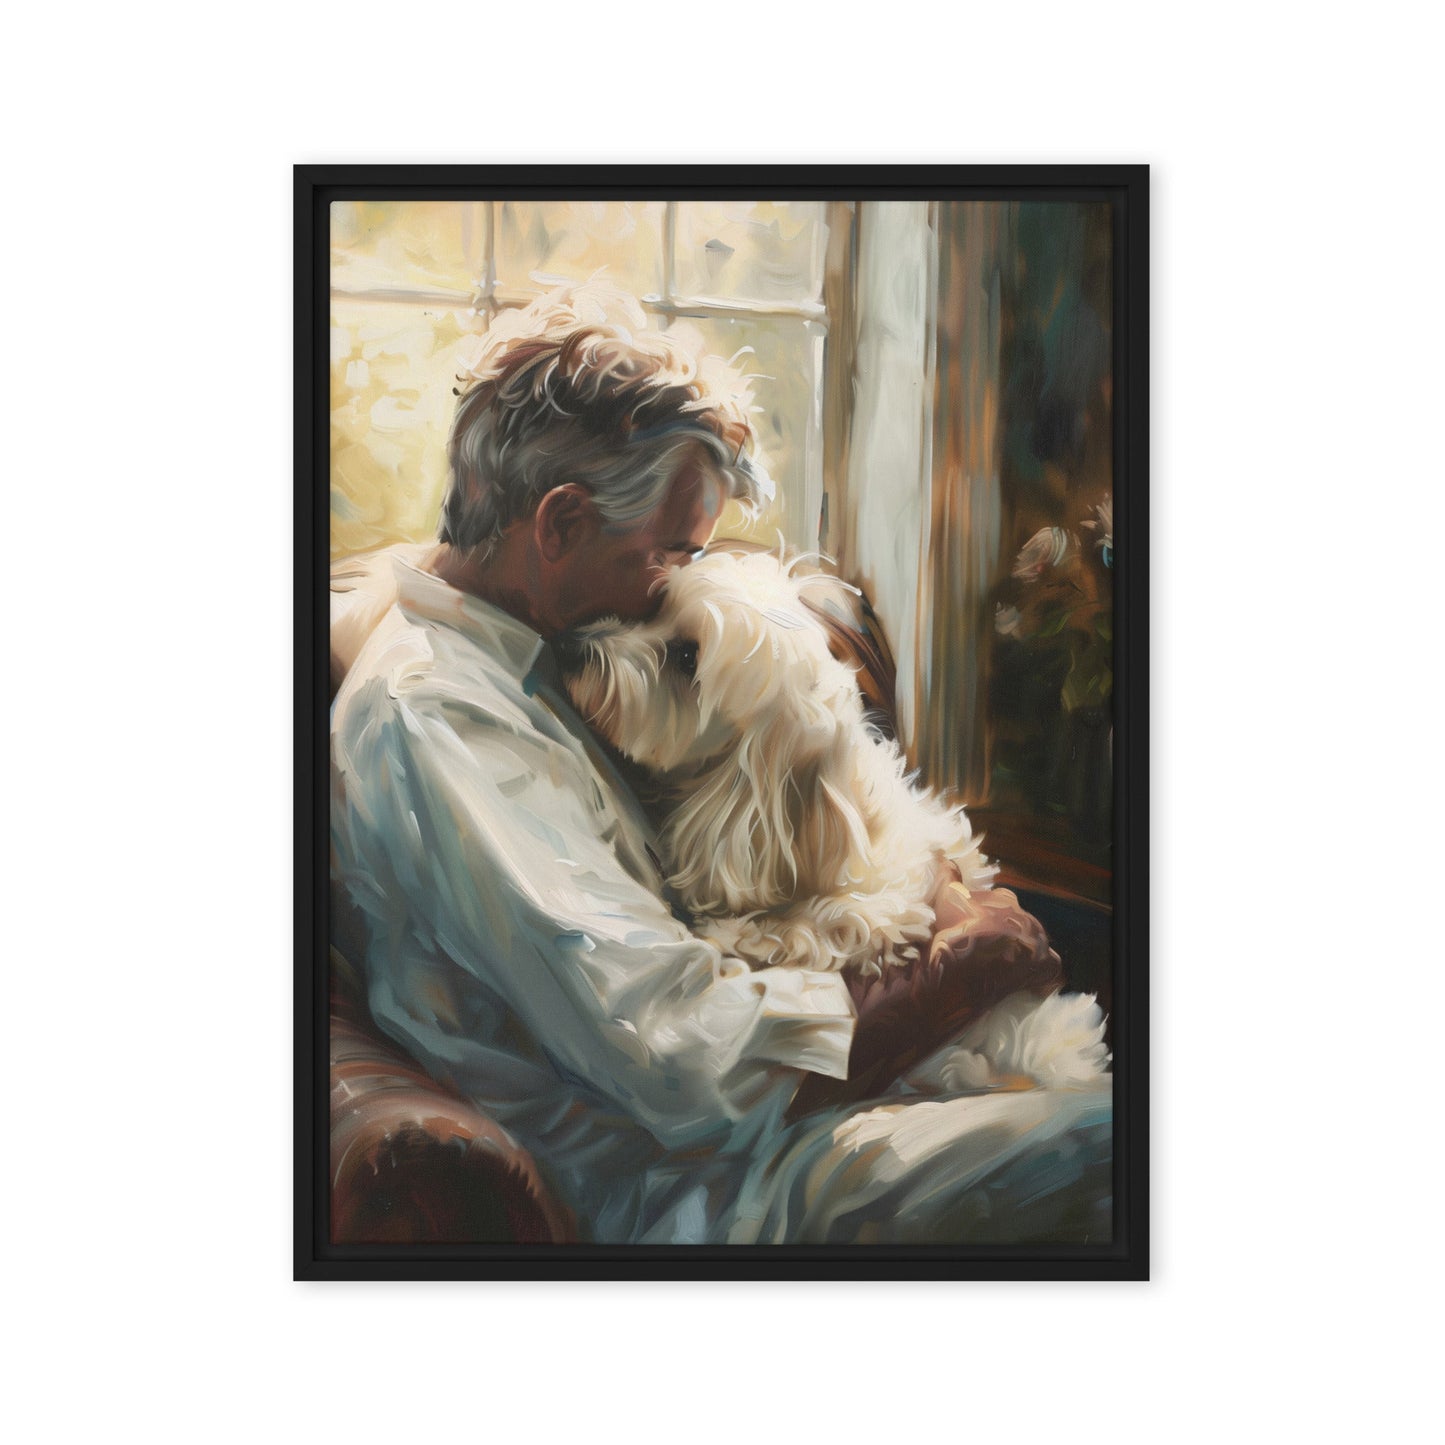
(763, 941)
(899, 941)
(837, 937)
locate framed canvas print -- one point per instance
(721, 722)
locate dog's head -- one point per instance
(734, 652)
(731, 694)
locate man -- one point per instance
(515, 928)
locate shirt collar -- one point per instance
(503, 636)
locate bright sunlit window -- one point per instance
(414, 286)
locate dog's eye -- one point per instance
(683, 656)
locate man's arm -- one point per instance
(985, 947)
(486, 859)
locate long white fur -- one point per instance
(797, 838)
(1051, 1043)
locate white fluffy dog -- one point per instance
(795, 837)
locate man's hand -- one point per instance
(984, 948)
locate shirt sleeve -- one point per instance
(489, 833)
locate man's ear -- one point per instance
(566, 518)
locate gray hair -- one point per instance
(575, 388)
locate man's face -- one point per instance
(620, 573)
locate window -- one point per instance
(414, 285)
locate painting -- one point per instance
(720, 738)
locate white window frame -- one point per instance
(806, 512)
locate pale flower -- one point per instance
(1103, 524)
(1048, 547)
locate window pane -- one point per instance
(422, 245)
(569, 240)
(750, 250)
(393, 370)
(784, 358)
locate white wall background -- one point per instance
(1297, 525)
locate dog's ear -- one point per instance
(769, 669)
(775, 821)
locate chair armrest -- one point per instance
(413, 1163)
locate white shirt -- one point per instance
(516, 938)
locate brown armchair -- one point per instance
(411, 1162)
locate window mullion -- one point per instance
(669, 252)
(488, 297)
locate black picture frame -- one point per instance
(1126, 1257)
